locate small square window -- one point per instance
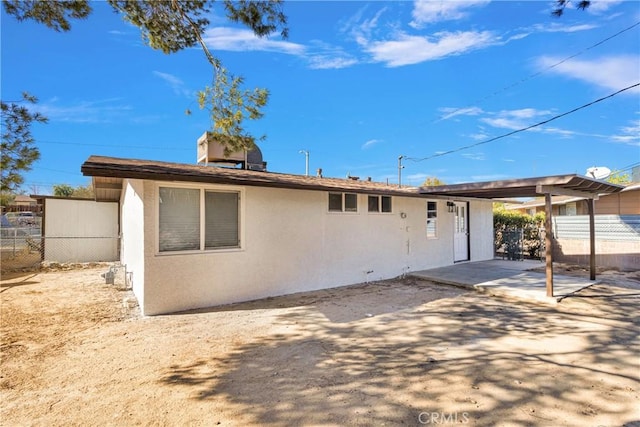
(335, 202)
(386, 203)
(350, 202)
(373, 204)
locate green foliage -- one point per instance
(18, 149)
(617, 177)
(229, 106)
(6, 198)
(562, 4)
(432, 181)
(506, 222)
(79, 192)
(62, 190)
(84, 192)
(171, 26)
(53, 14)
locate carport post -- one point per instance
(592, 239)
(548, 242)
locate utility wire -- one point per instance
(534, 75)
(112, 146)
(525, 128)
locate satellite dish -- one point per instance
(598, 172)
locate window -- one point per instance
(432, 220)
(343, 202)
(379, 203)
(191, 219)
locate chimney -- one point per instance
(319, 173)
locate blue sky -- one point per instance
(357, 84)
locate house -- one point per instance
(625, 202)
(195, 236)
(616, 222)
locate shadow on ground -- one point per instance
(464, 358)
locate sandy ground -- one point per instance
(399, 352)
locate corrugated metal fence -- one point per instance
(607, 227)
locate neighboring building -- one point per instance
(617, 227)
(625, 202)
(197, 236)
(78, 230)
(24, 201)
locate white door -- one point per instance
(461, 232)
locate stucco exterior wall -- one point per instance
(80, 231)
(133, 229)
(291, 243)
(481, 229)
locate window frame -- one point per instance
(380, 203)
(343, 202)
(202, 216)
(432, 218)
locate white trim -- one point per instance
(202, 188)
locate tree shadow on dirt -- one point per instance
(467, 357)
(9, 280)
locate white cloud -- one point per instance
(601, 6)
(415, 178)
(610, 72)
(555, 27)
(430, 11)
(370, 143)
(629, 135)
(474, 156)
(317, 54)
(407, 49)
(450, 112)
(480, 136)
(175, 83)
(100, 111)
(515, 119)
(494, 177)
(239, 40)
(322, 62)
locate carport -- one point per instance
(566, 185)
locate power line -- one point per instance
(534, 75)
(525, 128)
(112, 146)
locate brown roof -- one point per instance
(571, 185)
(109, 171)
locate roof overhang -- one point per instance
(108, 173)
(566, 185)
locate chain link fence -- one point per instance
(26, 248)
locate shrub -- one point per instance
(512, 221)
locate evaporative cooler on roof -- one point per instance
(211, 151)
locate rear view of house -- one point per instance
(197, 236)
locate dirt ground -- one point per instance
(398, 352)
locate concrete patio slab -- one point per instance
(506, 278)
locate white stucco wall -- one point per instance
(132, 243)
(481, 230)
(80, 230)
(291, 243)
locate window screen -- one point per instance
(386, 203)
(350, 202)
(373, 204)
(221, 220)
(335, 202)
(179, 219)
(432, 219)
